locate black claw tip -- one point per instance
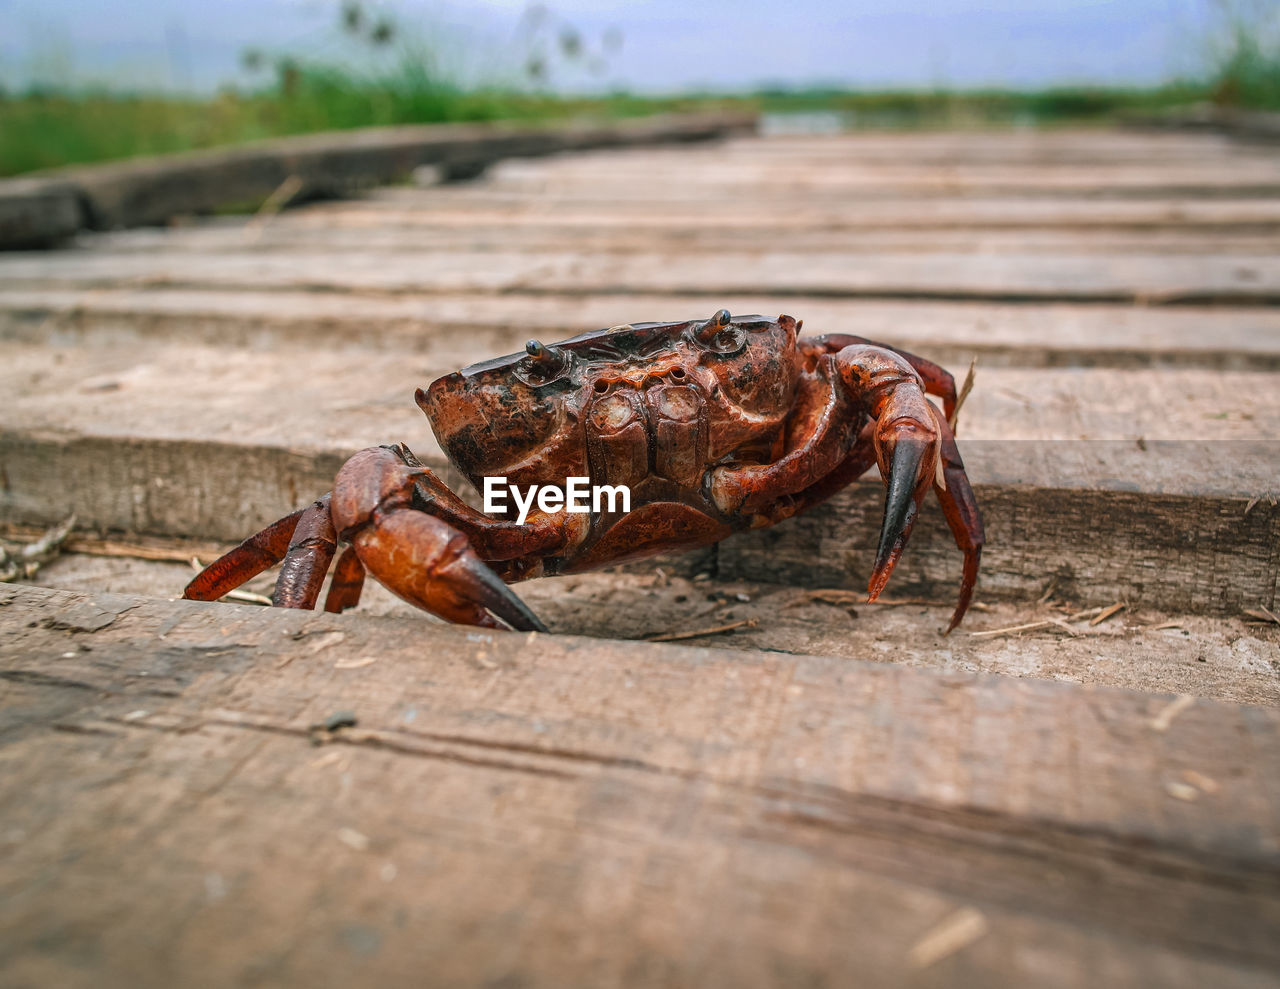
(899, 506)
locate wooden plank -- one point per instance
(450, 330)
(634, 178)
(1084, 146)
(1226, 658)
(298, 230)
(184, 440)
(37, 212)
(152, 190)
(511, 808)
(188, 392)
(1212, 552)
(1090, 278)
(479, 206)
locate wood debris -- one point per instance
(1262, 614)
(1205, 783)
(1046, 623)
(964, 393)
(696, 633)
(24, 561)
(1164, 718)
(353, 839)
(248, 597)
(1106, 613)
(955, 933)
(355, 664)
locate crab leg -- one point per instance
(347, 582)
(906, 446)
(961, 510)
(310, 552)
(260, 551)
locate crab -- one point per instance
(713, 425)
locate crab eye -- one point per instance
(718, 334)
(543, 364)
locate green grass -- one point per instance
(39, 131)
(399, 83)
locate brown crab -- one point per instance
(713, 425)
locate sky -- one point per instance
(665, 45)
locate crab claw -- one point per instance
(907, 453)
(431, 564)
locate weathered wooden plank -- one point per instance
(1089, 528)
(606, 175)
(37, 212)
(176, 390)
(1087, 146)
(1226, 658)
(1152, 279)
(511, 808)
(450, 330)
(151, 190)
(188, 440)
(478, 205)
(298, 231)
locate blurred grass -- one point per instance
(45, 130)
(49, 128)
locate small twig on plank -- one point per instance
(955, 933)
(1029, 627)
(272, 205)
(248, 597)
(1048, 591)
(1163, 625)
(964, 393)
(143, 548)
(133, 551)
(1106, 613)
(1262, 614)
(714, 630)
(25, 561)
(1164, 718)
(1064, 626)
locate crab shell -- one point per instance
(657, 402)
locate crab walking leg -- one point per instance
(822, 424)
(860, 459)
(417, 556)
(906, 443)
(260, 551)
(347, 582)
(961, 510)
(310, 552)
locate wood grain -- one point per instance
(450, 330)
(551, 811)
(152, 190)
(1087, 278)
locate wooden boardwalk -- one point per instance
(579, 810)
